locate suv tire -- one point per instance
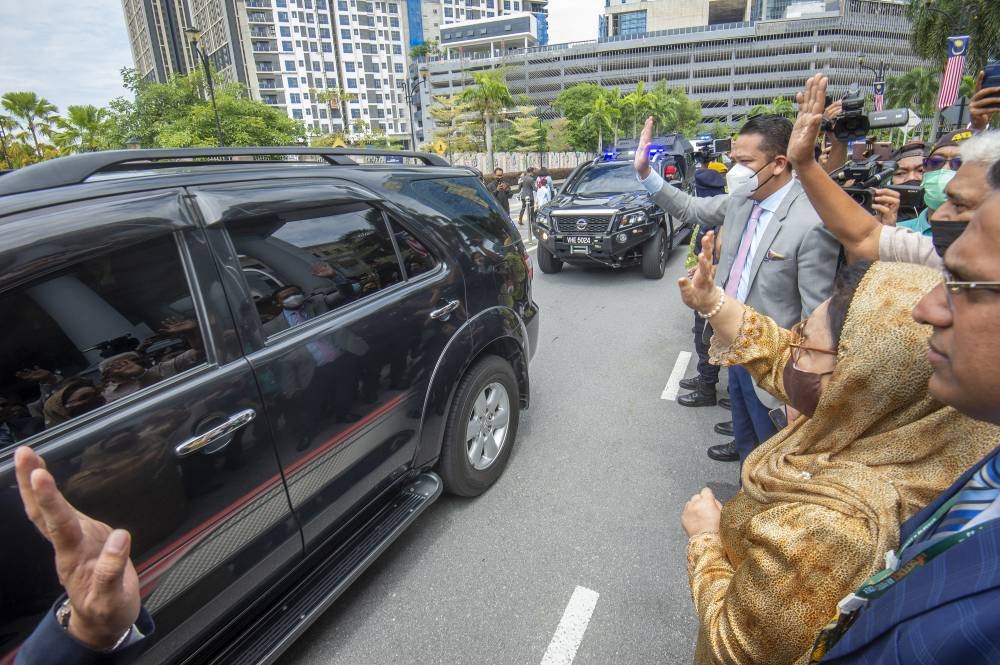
(548, 263)
(483, 418)
(654, 255)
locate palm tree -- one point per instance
(778, 106)
(80, 130)
(936, 20)
(35, 112)
(917, 89)
(604, 116)
(635, 104)
(488, 97)
(7, 126)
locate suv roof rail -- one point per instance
(75, 169)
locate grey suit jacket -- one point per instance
(793, 268)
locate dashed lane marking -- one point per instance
(673, 383)
(572, 626)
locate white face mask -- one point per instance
(741, 180)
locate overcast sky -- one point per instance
(72, 52)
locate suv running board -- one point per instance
(271, 634)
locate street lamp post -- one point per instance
(411, 90)
(200, 55)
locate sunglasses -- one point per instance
(935, 163)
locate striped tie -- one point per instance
(977, 495)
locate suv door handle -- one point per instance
(443, 313)
(235, 422)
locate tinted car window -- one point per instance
(466, 203)
(300, 265)
(417, 258)
(92, 333)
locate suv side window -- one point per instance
(92, 333)
(417, 258)
(466, 203)
(302, 264)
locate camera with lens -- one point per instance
(853, 124)
(860, 176)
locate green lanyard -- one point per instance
(882, 581)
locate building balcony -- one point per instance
(263, 33)
(260, 17)
(258, 4)
(264, 47)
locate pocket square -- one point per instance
(773, 256)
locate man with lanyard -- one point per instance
(938, 599)
(776, 255)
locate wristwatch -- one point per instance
(63, 613)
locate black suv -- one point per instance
(603, 214)
(262, 362)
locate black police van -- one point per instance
(264, 363)
(603, 214)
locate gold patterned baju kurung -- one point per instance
(821, 501)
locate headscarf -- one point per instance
(879, 446)
(55, 410)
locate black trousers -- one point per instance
(708, 372)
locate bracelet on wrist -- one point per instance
(718, 306)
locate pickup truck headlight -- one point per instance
(632, 219)
(542, 219)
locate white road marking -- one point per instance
(673, 383)
(572, 626)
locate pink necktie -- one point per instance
(740, 262)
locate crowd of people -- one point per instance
(858, 341)
(865, 410)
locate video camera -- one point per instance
(860, 176)
(853, 124)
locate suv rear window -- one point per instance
(93, 333)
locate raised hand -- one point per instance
(985, 102)
(699, 291)
(812, 105)
(641, 161)
(886, 203)
(92, 560)
(176, 325)
(37, 375)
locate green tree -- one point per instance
(174, 115)
(81, 130)
(32, 112)
(424, 49)
(7, 128)
(455, 124)
(917, 89)
(337, 98)
(635, 107)
(574, 103)
(488, 97)
(936, 20)
(672, 110)
(559, 135)
(778, 106)
(604, 117)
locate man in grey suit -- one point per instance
(776, 255)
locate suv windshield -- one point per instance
(607, 179)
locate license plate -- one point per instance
(579, 240)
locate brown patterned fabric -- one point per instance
(823, 499)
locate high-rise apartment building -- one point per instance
(156, 35)
(427, 17)
(336, 65)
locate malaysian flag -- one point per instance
(879, 89)
(957, 48)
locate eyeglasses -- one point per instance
(953, 287)
(798, 346)
(935, 163)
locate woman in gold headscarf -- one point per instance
(821, 501)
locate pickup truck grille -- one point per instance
(595, 223)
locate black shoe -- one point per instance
(725, 452)
(725, 403)
(693, 383)
(725, 429)
(704, 396)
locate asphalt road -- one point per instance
(591, 498)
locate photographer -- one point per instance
(861, 234)
(938, 170)
(500, 190)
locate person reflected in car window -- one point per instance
(125, 373)
(73, 397)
